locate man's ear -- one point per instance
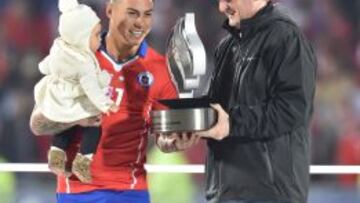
(109, 10)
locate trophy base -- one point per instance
(183, 120)
(184, 115)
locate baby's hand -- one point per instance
(113, 109)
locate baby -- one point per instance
(73, 87)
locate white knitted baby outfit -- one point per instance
(73, 85)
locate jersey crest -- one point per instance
(146, 79)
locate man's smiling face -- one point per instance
(130, 20)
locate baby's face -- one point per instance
(95, 38)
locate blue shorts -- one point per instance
(105, 196)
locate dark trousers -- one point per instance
(89, 142)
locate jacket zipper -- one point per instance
(240, 72)
(237, 71)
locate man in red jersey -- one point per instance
(139, 78)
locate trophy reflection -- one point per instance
(186, 60)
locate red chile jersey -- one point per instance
(118, 163)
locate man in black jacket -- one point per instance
(263, 87)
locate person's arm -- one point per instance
(40, 125)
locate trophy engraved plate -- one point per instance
(186, 60)
(180, 120)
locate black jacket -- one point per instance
(265, 79)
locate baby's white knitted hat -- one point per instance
(76, 22)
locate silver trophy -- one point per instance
(186, 60)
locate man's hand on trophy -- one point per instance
(176, 141)
(165, 143)
(185, 140)
(221, 129)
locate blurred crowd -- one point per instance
(27, 29)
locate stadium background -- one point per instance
(27, 29)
